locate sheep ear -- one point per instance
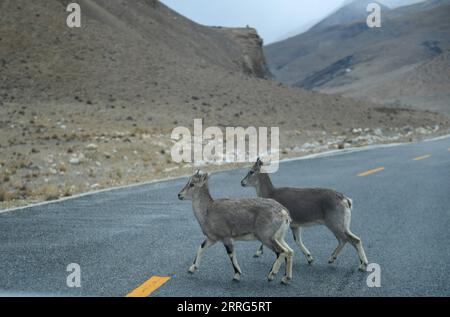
(204, 178)
(259, 162)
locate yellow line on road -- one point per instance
(420, 158)
(370, 172)
(149, 286)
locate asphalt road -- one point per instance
(121, 238)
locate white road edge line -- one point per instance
(306, 157)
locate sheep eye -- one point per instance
(252, 172)
(191, 185)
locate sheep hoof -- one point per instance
(192, 269)
(363, 267)
(285, 280)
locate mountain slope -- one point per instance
(349, 13)
(95, 107)
(132, 42)
(424, 86)
(355, 60)
(143, 56)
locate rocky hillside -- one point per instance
(424, 86)
(350, 58)
(123, 49)
(90, 108)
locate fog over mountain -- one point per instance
(399, 3)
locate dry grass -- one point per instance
(6, 196)
(48, 192)
(62, 168)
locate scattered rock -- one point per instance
(378, 132)
(357, 131)
(311, 145)
(91, 147)
(407, 129)
(77, 160)
(422, 131)
(74, 161)
(333, 146)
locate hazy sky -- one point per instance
(272, 18)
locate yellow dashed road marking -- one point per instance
(149, 286)
(370, 172)
(156, 282)
(420, 158)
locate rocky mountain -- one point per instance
(354, 60)
(144, 57)
(120, 42)
(94, 107)
(353, 11)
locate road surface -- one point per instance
(124, 237)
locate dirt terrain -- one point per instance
(92, 108)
